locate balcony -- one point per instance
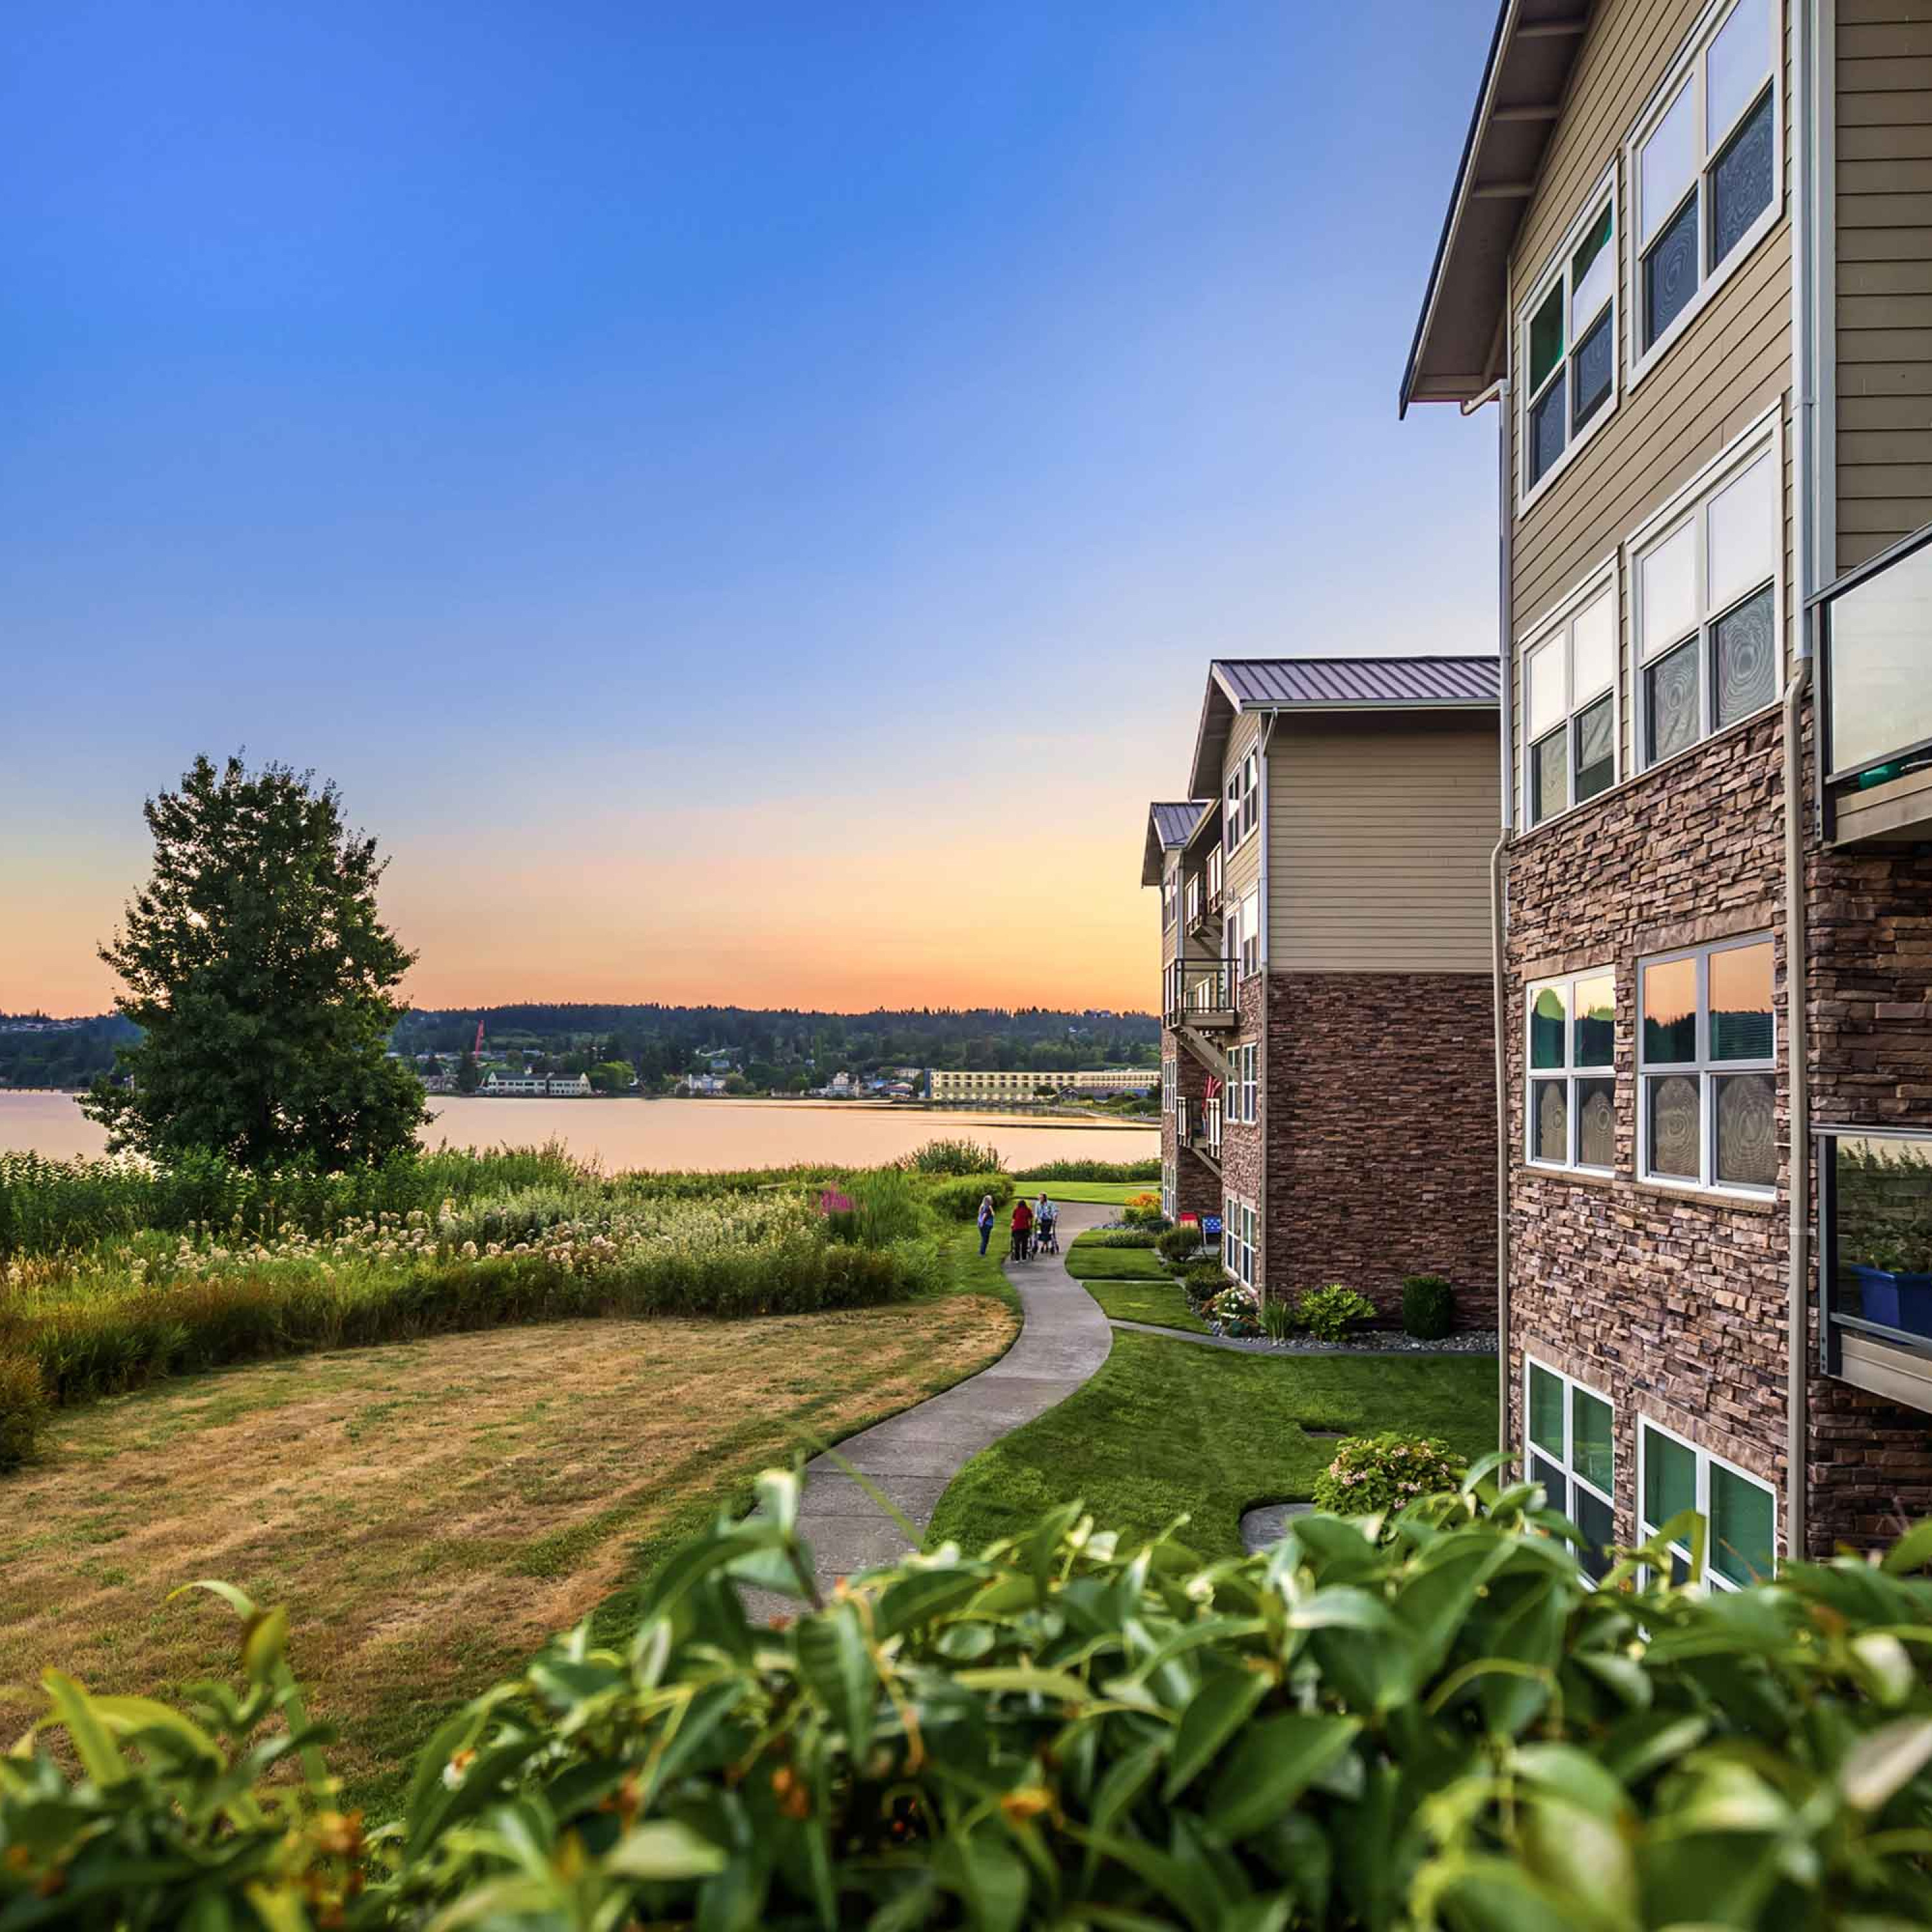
(1197, 1124)
(1875, 670)
(1875, 1261)
(1200, 993)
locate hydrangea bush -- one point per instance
(1236, 1311)
(1375, 1473)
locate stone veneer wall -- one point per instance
(1378, 1117)
(1671, 1302)
(1240, 1144)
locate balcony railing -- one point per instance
(1199, 993)
(1875, 1260)
(1210, 1128)
(1876, 696)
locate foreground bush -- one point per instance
(955, 1157)
(1452, 1730)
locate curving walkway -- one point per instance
(912, 1457)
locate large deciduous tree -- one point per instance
(262, 978)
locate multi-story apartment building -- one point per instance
(1327, 1001)
(1688, 257)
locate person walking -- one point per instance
(985, 1221)
(1022, 1229)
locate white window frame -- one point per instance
(1690, 505)
(1193, 898)
(1250, 962)
(1240, 810)
(1170, 1082)
(1167, 898)
(1703, 1069)
(1555, 270)
(1567, 1460)
(1245, 1084)
(1238, 1233)
(1606, 579)
(1689, 70)
(1214, 871)
(1569, 1072)
(1712, 1578)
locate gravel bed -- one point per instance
(1374, 1343)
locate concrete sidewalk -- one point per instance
(911, 1457)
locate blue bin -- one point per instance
(1896, 1300)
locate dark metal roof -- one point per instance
(1458, 349)
(1169, 827)
(1331, 682)
(1175, 823)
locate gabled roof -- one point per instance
(1169, 827)
(1459, 347)
(1235, 684)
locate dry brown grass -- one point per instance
(427, 1512)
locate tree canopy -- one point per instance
(262, 978)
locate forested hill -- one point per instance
(977, 1037)
(37, 1051)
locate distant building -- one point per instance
(705, 1084)
(497, 1082)
(569, 1086)
(950, 1083)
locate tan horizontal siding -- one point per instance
(1882, 100)
(1379, 834)
(1240, 870)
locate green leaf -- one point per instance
(1216, 1711)
(661, 1849)
(1058, 1684)
(1275, 1762)
(1491, 1894)
(837, 1668)
(918, 1598)
(988, 1877)
(1880, 1766)
(93, 1740)
(1912, 1551)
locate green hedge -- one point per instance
(958, 1200)
(1091, 1170)
(1452, 1731)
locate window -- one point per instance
(1570, 707)
(1740, 1512)
(1238, 1240)
(1167, 898)
(1707, 1042)
(1242, 813)
(1193, 898)
(1170, 1083)
(1242, 1084)
(1573, 1085)
(1251, 934)
(1704, 168)
(1704, 579)
(1568, 347)
(1214, 876)
(1571, 1453)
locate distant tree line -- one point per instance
(35, 1051)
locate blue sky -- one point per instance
(742, 498)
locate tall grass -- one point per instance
(955, 1156)
(1091, 1170)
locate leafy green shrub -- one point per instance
(1180, 1244)
(1328, 1313)
(1144, 1210)
(886, 1207)
(957, 1157)
(1121, 1237)
(958, 1199)
(1428, 1307)
(1372, 1474)
(1090, 1170)
(1236, 1311)
(1277, 1318)
(1201, 1281)
(1451, 1732)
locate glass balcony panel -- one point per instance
(1881, 1231)
(1881, 646)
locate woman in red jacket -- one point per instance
(1022, 1229)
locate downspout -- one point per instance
(1261, 1126)
(1797, 1321)
(1498, 919)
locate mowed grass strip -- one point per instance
(1087, 1261)
(1160, 1303)
(1167, 1429)
(1100, 1193)
(430, 1512)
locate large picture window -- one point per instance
(1572, 1454)
(1740, 1512)
(1707, 1042)
(1568, 345)
(1573, 1085)
(1705, 577)
(1569, 706)
(1705, 165)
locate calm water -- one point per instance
(674, 1133)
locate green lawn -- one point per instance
(1159, 1302)
(1088, 1261)
(1105, 1193)
(1166, 1429)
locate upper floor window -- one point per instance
(1167, 897)
(1567, 352)
(1193, 898)
(1573, 1084)
(1704, 166)
(1570, 701)
(1244, 935)
(1704, 575)
(1242, 1084)
(1740, 1512)
(1242, 813)
(1707, 1044)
